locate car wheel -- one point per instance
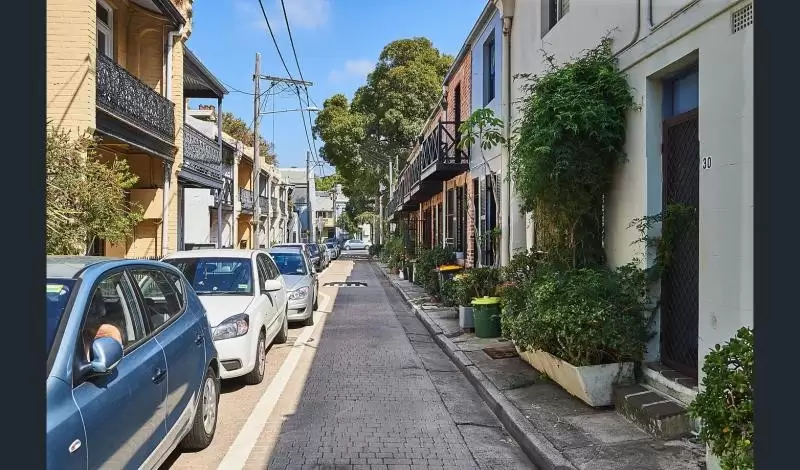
(283, 335)
(205, 418)
(256, 376)
(316, 302)
(310, 320)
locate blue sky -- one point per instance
(337, 43)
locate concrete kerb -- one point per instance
(535, 445)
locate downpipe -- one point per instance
(508, 15)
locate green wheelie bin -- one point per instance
(486, 314)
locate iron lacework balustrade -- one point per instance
(201, 154)
(246, 196)
(438, 159)
(123, 95)
(262, 202)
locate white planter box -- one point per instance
(712, 461)
(592, 384)
(465, 318)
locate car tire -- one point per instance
(310, 320)
(283, 335)
(256, 376)
(205, 419)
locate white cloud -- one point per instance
(303, 14)
(306, 14)
(354, 68)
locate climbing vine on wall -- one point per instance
(571, 136)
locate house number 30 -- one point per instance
(707, 163)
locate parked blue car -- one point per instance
(132, 372)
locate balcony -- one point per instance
(263, 205)
(202, 162)
(246, 198)
(132, 113)
(438, 159)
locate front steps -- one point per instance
(658, 405)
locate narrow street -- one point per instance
(365, 387)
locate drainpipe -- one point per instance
(507, 8)
(167, 166)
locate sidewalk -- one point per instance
(556, 430)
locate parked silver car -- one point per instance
(301, 281)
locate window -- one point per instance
(461, 219)
(105, 29)
(556, 9)
(489, 69)
(263, 274)
(112, 312)
(273, 270)
(58, 294)
(161, 297)
(450, 219)
(216, 276)
(290, 264)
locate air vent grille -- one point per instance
(742, 18)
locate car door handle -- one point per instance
(199, 339)
(159, 375)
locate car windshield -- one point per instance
(313, 248)
(290, 264)
(217, 276)
(58, 294)
(330, 245)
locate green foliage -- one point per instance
(571, 137)
(449, 293)
(427, 261)
(385, 115)
(241, 131)
(725, 404)
(85, 196)
(585, 316)
(327, 183)
(475, 282)
(675, 220)
(483, 127)
(393, 252)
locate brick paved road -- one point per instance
(379, 394)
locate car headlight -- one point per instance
(299, 294)
(232, 327)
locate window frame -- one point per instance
(262, 271)
(489, 68)
(152, 329)
(106, 29)
(144, 322)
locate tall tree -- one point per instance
(85, 196)
(381, 122)
(327, 183)
(241, 131)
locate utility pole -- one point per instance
(391, 180)
(256, 154)
(311, 195)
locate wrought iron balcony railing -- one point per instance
(122, 94)
(200, 153)
(262, 203)
(246, 196)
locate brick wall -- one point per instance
(462, 77)
(71, 46)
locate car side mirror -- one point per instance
(106, 355)
(272, 285)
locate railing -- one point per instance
(227, 191)
(200, 153)
(262, 203)
(246, 196)
(122, 94)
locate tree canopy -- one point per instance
(78, 212)
(327, 183)
(384, 117)
(241, 131)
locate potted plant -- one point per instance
(464, 292)
(725, 404)
(583, 327)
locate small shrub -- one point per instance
(485, 281)
(427, 261)
(586, 316)
(448, 293)
(725, 404)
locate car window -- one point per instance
(263, 273)
(274, 272)
(217, 276)
(290, 264)
(58, 294)
(113, 312)
(162, 299)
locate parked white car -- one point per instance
(301, 283)
(244, 295)
(355, 244)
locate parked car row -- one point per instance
(152, 340)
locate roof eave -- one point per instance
(171, 12)
(477, 28)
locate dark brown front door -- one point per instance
(679, 284)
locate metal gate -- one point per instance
(679, 285)
(411, 228)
